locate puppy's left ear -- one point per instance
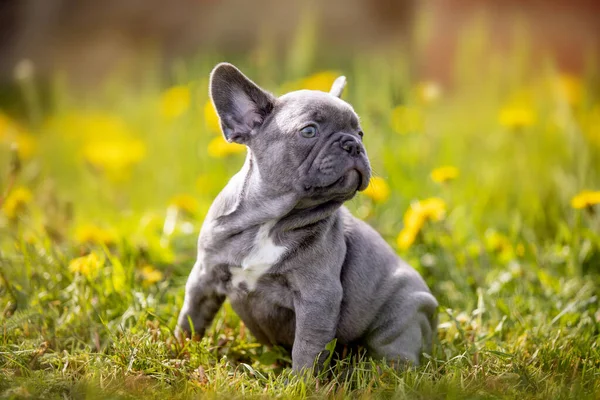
(338, 86)
(242, 106)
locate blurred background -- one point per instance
(87, 40)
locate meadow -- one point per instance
(489, 187)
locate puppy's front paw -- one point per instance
(183, 333)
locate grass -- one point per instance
(513, 264)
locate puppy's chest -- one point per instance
(263, 254)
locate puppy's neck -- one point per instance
(254, 187)
(256, 193)
(300, 218)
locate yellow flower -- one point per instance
(219, 148)
(586, 198)
(405, 119)
(88, 266)
(17, 202)
(150, 275)
(185, 202)
(211, 118)
(431, 209)
(378, 190)
(406, 238)
(94, 234)
(428, 92)
(496, 241)
(114, 154)
(570, 88)
(320, 81)
(413, 218)
(444, 174)
(175, 101)
(515, 116)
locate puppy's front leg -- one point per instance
(201, 303)
(317, 310)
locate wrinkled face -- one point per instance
(312, 144)
(306, 142)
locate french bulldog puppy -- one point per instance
(297, 267)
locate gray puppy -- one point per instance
(298, 268)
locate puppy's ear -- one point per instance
(242, 106)
(338, 86)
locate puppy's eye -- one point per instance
(309, 131)
(361, 134)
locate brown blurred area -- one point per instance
(88, 38)
(567, 30)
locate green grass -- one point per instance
(514, 266)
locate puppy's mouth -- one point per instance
(351, 181)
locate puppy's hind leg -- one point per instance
(201, 304)
(401, 339)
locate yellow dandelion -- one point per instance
(515, 116)
(88, 265)
(431, 209)
(497, 242)
(150, 275)
(219, 148)
(320, 81)
(211, 118)
(93, 234)
(428, 92)
(444, 174)
(405, 120)
(185, 202)
(175, 101)
(585, 199)
(570, 88)
(406, 238)
(17, 202)
(414, 218)
(378, 190)
(114, 154)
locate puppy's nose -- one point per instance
(351, 146)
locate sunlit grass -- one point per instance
(489, 188)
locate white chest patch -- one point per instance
(263, 255)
